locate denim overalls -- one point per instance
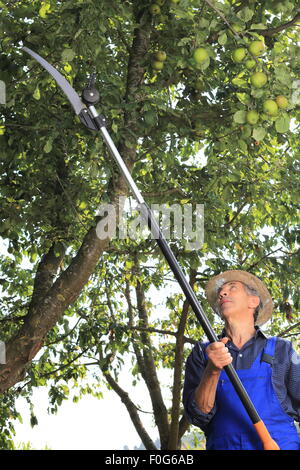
(232, 429)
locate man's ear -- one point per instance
(254, 301)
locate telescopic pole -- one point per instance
(93, 120)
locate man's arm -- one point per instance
(218, 357)
(205, 393)
(201, 379)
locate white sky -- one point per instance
(90, 424)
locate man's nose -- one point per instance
(223, 293)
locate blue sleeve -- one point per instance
(293, 380)
(286, 377)
(195, 366)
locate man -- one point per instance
(269, 369)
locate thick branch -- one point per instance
(159, 408)
(238, 211)
(22, 348)
(183, 426)
(45, 275)
(136, 347)
(131, 407)
(132, 410)
(272, 31)
(177, 378)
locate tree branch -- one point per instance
(213, 7)
(239, 210)
(130, 406)
(272, 31)
(183, 426)
(137, 350)
(150, 329)
(167, 192)
(262, 258)
(159, 408)
(174, 436)
(284, 332)
(45, 275)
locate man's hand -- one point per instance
(218, 355)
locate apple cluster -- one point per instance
(159, 60)
(155, 8)
(159, 56)
(258, 79)
(248, 55)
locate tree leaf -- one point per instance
(259, 133)
(245, 14)
(37, 94)
(282, 124)
(48, 146)
(45, 8)
(68, 55)
(222, 39)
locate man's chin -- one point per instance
(226, 312)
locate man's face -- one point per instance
(233, 300)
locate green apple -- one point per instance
(160, 56)
(154, 9)
(252, 117)
(258, 79)
(157, 65)
(256, 48)
(160, 2)
(282, 101)
(250, 64)
(200, 55)
(174, 1)
(239, 54)
(270, 107)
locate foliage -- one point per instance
(184, 135)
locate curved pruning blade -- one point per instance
(73, 97)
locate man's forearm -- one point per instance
(205, 393)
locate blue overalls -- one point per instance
(232, 429)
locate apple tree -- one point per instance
(202, 100)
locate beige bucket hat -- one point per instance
(216, 282)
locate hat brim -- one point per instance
(216, 282)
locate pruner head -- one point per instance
(79, 106)
(71, 94)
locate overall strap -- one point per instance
(269, 350)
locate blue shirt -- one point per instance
(285, 375)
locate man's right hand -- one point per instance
(218, 355)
